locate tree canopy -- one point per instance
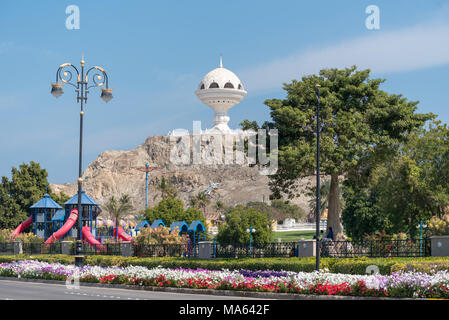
(361, 126)
(238, 220)
(118, 208)
(171, 209)
(279, 210)
(27, 185)
(410, 187)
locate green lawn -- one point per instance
(294, 235)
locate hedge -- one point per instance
(346, 266)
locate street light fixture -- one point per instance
(250, 230)
(99, 78)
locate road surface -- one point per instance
(17, 290)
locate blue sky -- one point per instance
(156, 53)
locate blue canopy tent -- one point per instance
(142, 224)
(157, 223)
(42, 212)
(181, 225)
(89, 212)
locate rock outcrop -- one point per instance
(114, 173)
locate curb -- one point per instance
(230, 293)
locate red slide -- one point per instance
(122, 234)
(89, 237)
(65, 228)
(22, 226)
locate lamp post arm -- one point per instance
(96, 77)
(67, 75)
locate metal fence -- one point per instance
(160, 250)
(270, 250)
(113, 249)
(6, 248)
(328, 248)
(42, 248)
(376, 248)
(31, 248)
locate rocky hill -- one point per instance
(114, 173)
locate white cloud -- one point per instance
(408, 49)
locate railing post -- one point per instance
(205, 250)
(65, 247)
(126, 249)
(18, 247)
(397, 248)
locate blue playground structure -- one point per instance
(42, 213)
(89, 212)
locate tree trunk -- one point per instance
(334, 210)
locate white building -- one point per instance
(220, 89)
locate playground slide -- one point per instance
(65, 228)
(22, 226)
(89, 237)
(122, 234)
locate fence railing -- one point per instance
(31, 248)
(160, 250)
(6, 248)
(270, 250)
(376, 248)
(114, 249)
(328, 248)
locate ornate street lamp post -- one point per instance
(250, 230)
(317, 214)
(99, 78)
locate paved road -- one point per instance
(15, 290)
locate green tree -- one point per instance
(166, 189)
(409, 188)
(11, 215)
(59, 198)
(283, 210)
(361, 126)
(279, 210)
(362, 215)
(27, 185)
(172, 209)
(263, 208)
(220, 206)
(118, 208)
(238, 220)
(249, 125)
(200, 201)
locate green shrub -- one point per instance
(439, 227)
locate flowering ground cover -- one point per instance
(400, 284)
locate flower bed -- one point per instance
(400, 284)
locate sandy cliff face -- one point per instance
(113, 173)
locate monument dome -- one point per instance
(220, 89)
